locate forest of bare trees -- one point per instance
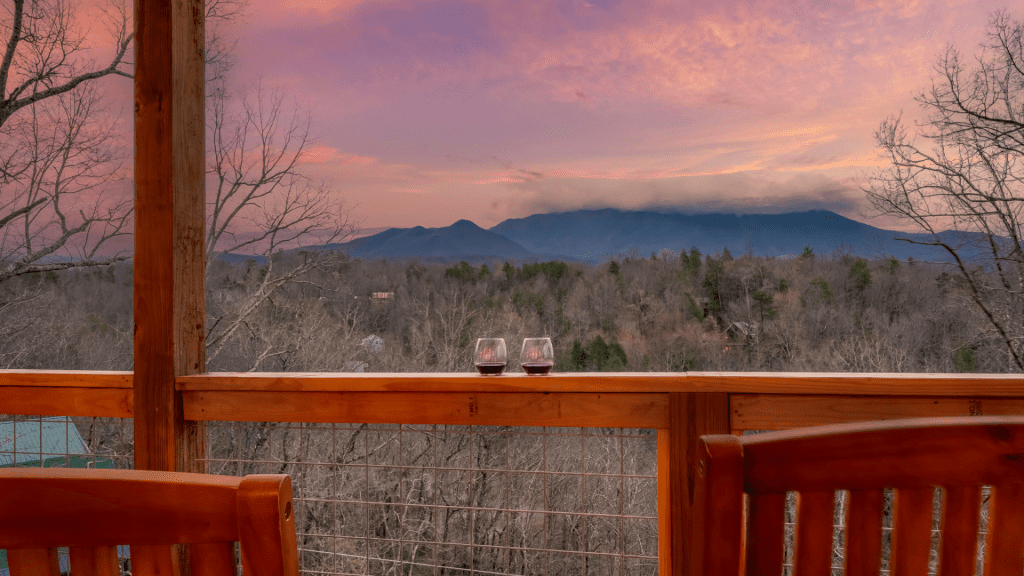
(668, 312)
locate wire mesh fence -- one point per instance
(407, 499)
(66, 442)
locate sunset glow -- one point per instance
(429, 111)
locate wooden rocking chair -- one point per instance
(958, 455)
(93, 511)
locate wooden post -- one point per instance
(680, 539)
(169, 262)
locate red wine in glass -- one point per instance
(535, 368)
(538, 356)
(490, 357)
(490, 368)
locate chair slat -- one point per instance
(912, 536)
(766, 519)
(863, 545)
(1004, 546)
(94, 561)
(33, 562)
(814, 514)
(217, 559)
(154, 560)
(961, 513)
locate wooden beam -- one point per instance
(679, 532)
(869, 384)
(785, 411)
(483, 409)
(963, 385)
(169, 222)
(66, 378)
(56, 401)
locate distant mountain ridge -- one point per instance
(590, 234)
(462, 240)
(594, 235)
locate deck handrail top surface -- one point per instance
(809, 383)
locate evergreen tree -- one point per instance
(713, 280)
(763, 304)
(597, 353)
(860, 274)
(577, 357)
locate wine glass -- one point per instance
(491, 356)
(538, 356)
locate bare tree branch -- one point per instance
(260, 202)
(964, 182)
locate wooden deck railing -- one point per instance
(679, 406)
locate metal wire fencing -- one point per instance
(412, 500)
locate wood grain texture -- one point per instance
(111, 507)
(66, 378)
(911, 532)
(869, 384)
(154, 237)
(813, 554)
(266, 526)
(665, 457)
(1004, 543)
(719, 505)
(212, 559)
(155, 561)
(960, 385)
(863, 535)
(169, 221)
(766, 518)
(961, 514)
(33, 562)
(99, 402)
(786, 411)
(92, 511)
(437, 382)
(690, 417)
(94, 561)
(491, 409)
(904, 453)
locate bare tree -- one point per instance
(59, 148)
(960, 177)
(44, 52)
(260, 202)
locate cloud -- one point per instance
(727, 106)
(322, 154)
(736, 193)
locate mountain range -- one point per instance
(594, 235)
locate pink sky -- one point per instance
(429, 111)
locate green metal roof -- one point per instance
(28, 442)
